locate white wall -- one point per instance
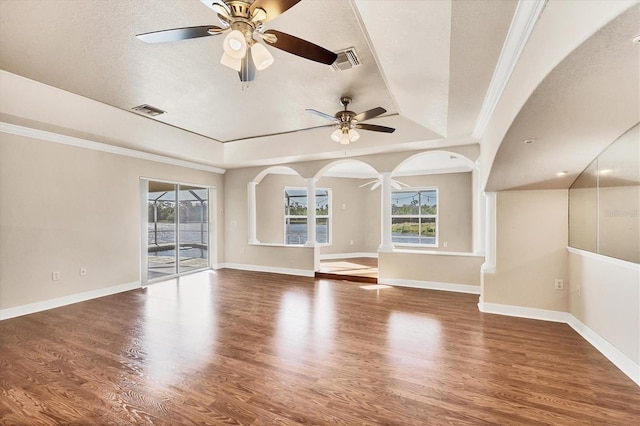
(531, 243)
(605, 296)
(63, 207)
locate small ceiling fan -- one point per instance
(243, 21)
(395, 184)
(348, 121)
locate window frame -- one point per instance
(419, 216)
(306, 216)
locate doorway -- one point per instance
(177, 237)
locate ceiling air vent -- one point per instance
(148, 110)
(347, 58)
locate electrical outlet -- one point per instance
(351, 242)
(55, 276)
(444, 244)
(559, 284)
(83, 271)
(579, 291)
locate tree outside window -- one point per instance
(414, 217)
(295, 216)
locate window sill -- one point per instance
(437, 253)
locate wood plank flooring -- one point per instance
(234, 347)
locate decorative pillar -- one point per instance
(490, 236)
(478, 209)
(251, 203)
(385, 216)
(311, 212)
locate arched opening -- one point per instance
(268, 192)
(433, 202)
(354, 220)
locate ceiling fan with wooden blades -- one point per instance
(243, 21)
(348, 121)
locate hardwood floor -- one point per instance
(234, 347)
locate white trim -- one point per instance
(487, 269)
(348, 255)
(437, 253)
(524, 19)
(270, 269)
(620, 360)
(179, 182)
(260, 244)
(66, 300)
(602, 258)
(523, 312)
(431, 285)
(103, 147)
(630, 368)
(144, 229)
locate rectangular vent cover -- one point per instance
(148, 110)
(347, 58)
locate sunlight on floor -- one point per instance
(374, 287)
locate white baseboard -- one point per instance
(523, 312)
(620, 360)
(431, 285)
(348, 255)
(66, 300)
(271, 269)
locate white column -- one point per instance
(311, 212)
(490, 229)
(385, 216)
(251, 202)
(478, 209)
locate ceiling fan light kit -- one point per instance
(243, 21)
(348, 121)
(262, 58)
(345, 136)
(231, 62)
(235, 44)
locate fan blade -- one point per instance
(179, 34)
(302, 48)
(375, 128)
(323, 115)
(370, 114)
(272, 7)
(375, 185)
(247, 68)
(368, 183)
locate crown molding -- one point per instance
(524, 19)
(103, 147)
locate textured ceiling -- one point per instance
(88, 48)
(429, 63)
(589, 100)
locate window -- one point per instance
(295, 215)
(414, 217)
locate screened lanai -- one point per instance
(177, 217)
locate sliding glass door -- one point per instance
(177, 229)
(193, 228)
